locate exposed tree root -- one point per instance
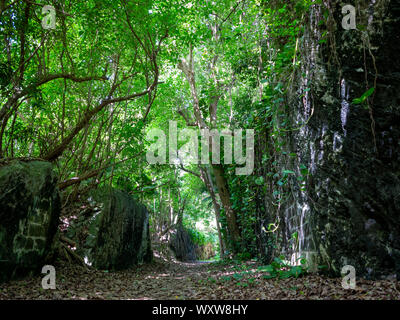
(66, 253)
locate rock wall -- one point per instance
(29, 213)
(113, 233)
(349, 211)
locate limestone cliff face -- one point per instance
(349, 210)
(29, 211)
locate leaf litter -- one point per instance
(162, 280)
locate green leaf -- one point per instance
(267, 268)
(296, 271)
(259, 181)
(288, 172)
(284, 275)
(364, 96)
(278, 261)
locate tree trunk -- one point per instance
(224, 195)
(205, 176)
(187, 67)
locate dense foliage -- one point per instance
(85, 94)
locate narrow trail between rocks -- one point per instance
(175, 280)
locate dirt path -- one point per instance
(191, 281)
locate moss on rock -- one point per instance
(29, 212)
(117, 231)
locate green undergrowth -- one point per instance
(247, 273)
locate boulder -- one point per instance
(29, 216)
(114, 233)
(182, 245)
